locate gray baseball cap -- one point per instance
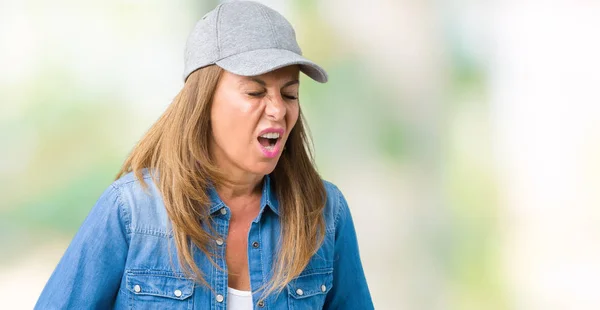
(246, 38)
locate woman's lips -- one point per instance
(270, 151)
(266, 137)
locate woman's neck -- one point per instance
(241, 194)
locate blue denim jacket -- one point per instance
(123, 257)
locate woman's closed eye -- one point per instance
(262, 93)
(291, 97)
(257, 94)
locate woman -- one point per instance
(219, 205)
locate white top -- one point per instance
(239, 300)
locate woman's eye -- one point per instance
(256, 94)
(290, 97)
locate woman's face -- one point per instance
(251, 118)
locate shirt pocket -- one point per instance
(309, 289)
(154, 289)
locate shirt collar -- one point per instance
(269, 198)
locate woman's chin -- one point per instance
(264, 168)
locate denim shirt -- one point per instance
(124, 257)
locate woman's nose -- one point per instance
(275, 108)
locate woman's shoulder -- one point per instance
(128, 178)
(336, 204)
(334, 194)
(137, 189)
(142, 204)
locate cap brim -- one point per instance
(261, 61)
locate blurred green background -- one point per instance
(465, 136)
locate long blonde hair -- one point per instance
(177, 147)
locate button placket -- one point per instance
(220, 279)
(255, 263)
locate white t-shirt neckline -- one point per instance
(238, 292)
(239, 300)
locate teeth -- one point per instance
(271, 135)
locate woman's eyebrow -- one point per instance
(290, 83)
(259, 81)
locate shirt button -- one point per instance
(177, 293)
(323, 288)
(299, 292)
(219, 241)
(223, 211)
(255, 245)
(219, 298)
(137, 288)
(261, 304)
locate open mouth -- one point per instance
(269, 140)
